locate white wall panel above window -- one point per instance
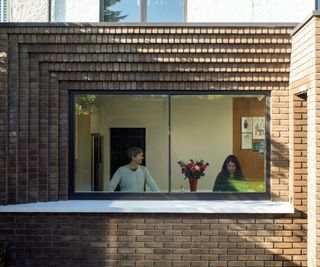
(249, 10)
(29, 10)
(77, 11)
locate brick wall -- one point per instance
(304, 107)
(44, 63)
(3, 115)
(298, 155)
(154, 240)
(41, 64)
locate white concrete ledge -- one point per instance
(119, 206)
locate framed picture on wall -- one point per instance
(246, 124)
(262, 148)
(256, 146)
(246, 141)
(258, 127)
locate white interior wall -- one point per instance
(104, 131)
(190, 138)
(139, 112)
(83, 153)
(201, 129)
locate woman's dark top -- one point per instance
(223, 183)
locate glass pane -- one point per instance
(210, 128)
(106, 126)
(165, 11)
(121, 11)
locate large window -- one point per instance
(225, 136)
(143, 10)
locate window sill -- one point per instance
(120, 206)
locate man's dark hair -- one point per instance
(133, 152)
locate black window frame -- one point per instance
(173, 195)
(143, 12)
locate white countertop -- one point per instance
(146, 206)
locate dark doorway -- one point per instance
(120, 140)
(96, 162)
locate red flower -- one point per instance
(194, 169)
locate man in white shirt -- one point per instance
(134, 176)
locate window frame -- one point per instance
(143, 12)
(167, 195)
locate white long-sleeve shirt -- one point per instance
(132, 180)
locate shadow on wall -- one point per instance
(154, 240)
(279, 155)
(3, 63)
(158, 240)
(98, 239)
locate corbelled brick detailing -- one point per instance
(40, 65)
(44, 63)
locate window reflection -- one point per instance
(172, 131)
(143, 10)
(165, 11)
(107, 125)
(121, 10)
(208, 127)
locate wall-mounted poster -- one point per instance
(258, 127)
(246, 124)
(262, 148)
(246, 141)
(259, 146)
(256, 146)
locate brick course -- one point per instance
(44, 63)
(149, 240)
(41, 65)
(304, 106)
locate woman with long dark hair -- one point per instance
(231, 169)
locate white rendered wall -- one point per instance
(203, 10)
(29, 11)
(249, 10)
(197, 10)
(77, 10)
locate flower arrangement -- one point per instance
(193, 169)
